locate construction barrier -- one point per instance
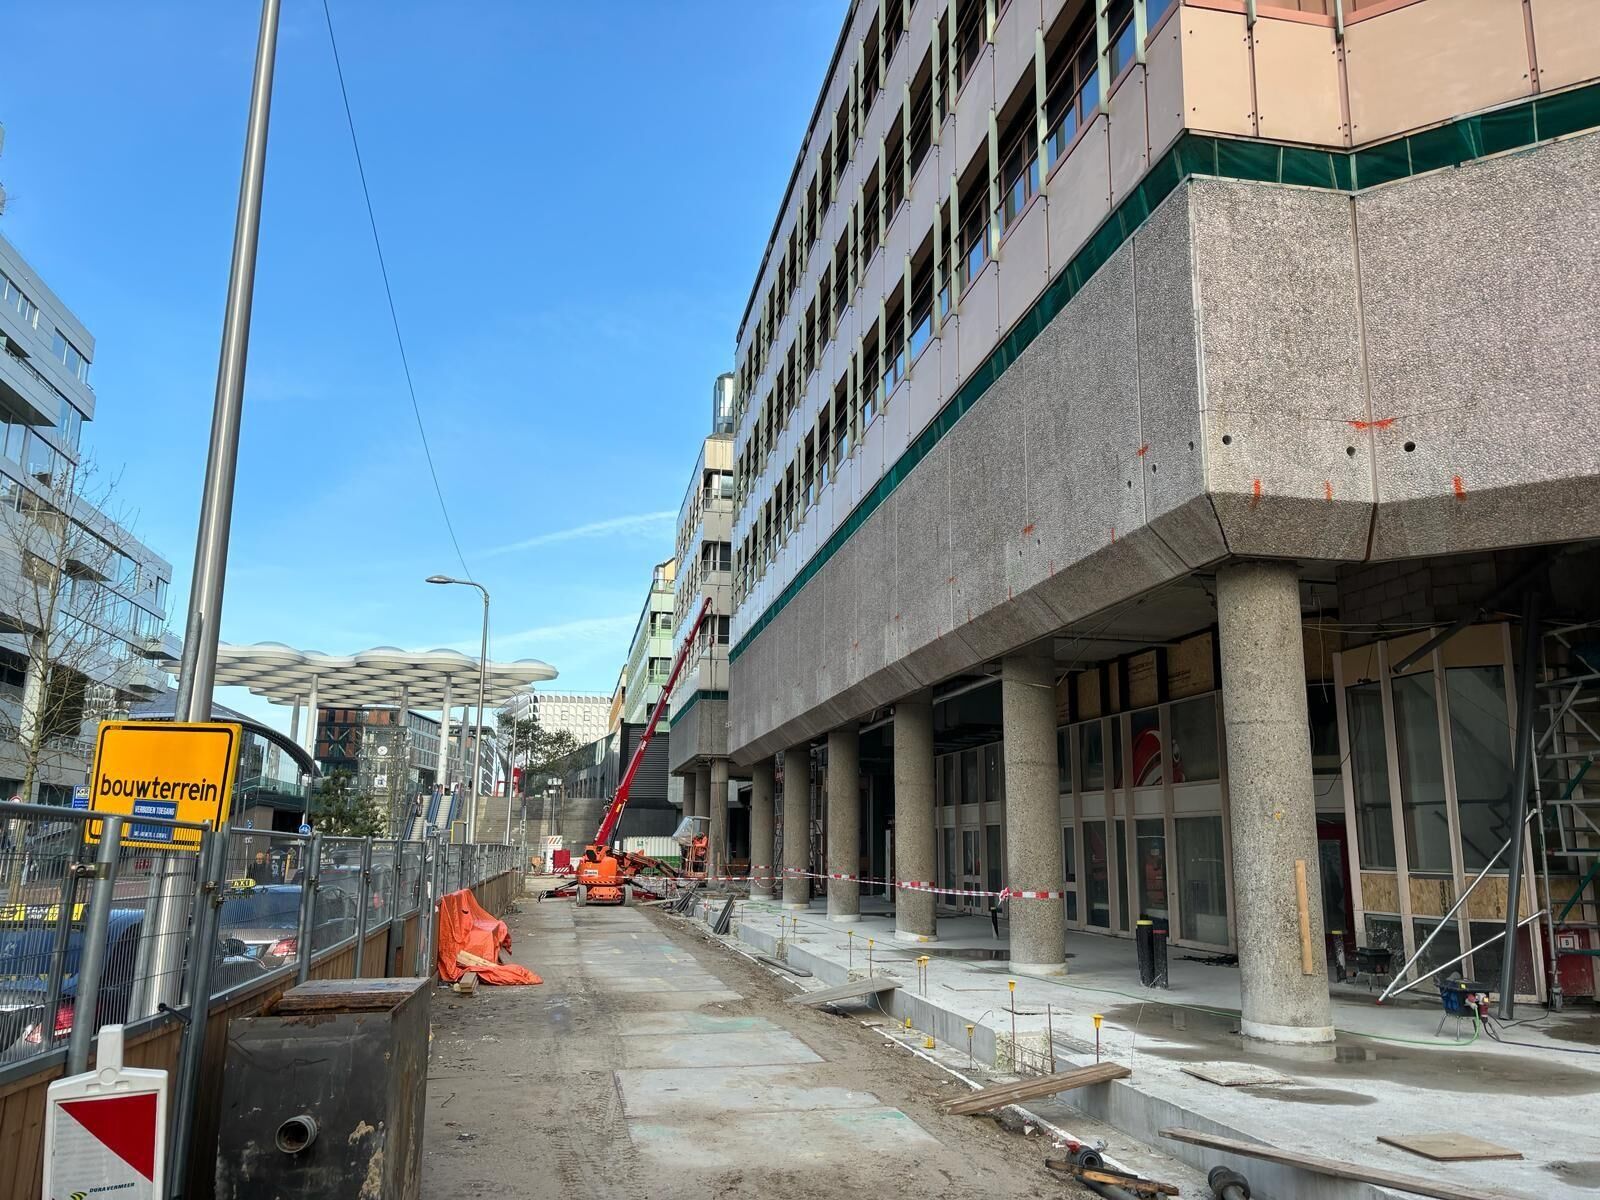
(471, 939)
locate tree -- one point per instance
(61, 612)
(339, 809)
(532, 747)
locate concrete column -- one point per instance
(796, 826)
(717, 840)
(914, 833)
(844, 823)
(1283, 981)
(702, 792)
(761, 841)
(1033, 813)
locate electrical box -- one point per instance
(324, 1096)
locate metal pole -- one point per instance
(444, 749)
(1523, 763)
(92, 956)
(58, 955)
(202, 956)
(366, 907)
(197, 673)
(308, 911)
(477, 741)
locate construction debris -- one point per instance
(467, 985)
(1118, 1179)
(1448, 1147)
(854, 990)
(1335, 1169)
(1003, 1094)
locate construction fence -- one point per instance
(132, 921)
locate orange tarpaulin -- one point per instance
(464, 926)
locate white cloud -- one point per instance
(634, 524)
(581, 631)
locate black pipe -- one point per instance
(1521, 770)
(1228, 1184)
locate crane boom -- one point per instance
(619, 800)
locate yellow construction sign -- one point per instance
(169, 770)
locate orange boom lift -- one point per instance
(605, 872)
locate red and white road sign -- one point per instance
(105, 1131)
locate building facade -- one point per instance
(83, 603)
(699, 702)
(1124, 413)
(395, 763)
(585, 715)
(650, 649)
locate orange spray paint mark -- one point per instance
(1381, 423)
(1460, 488)
(1028, 529)
(1255, 492)
(1327, 488)
(1142, 451)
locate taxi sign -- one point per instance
(32, 914)
(175, 771)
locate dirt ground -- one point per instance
(652, 1064)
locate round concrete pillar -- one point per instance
(844, 823)
(1033, 813)
(761, 842)
(702, 794)
(796, 826)
(913, 818)
(1283, 979)
(717, 838)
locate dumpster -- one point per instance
(324, 1095)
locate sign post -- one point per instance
(105, 1130)
(176, 771)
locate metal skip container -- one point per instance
(324, 1095)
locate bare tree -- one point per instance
(59, 612)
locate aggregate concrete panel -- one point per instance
(921, 509)
(671, 1024)
(870, 648)
(1281, 356)
(661, 1092)
(810, 1141)
(1481, 287)
(988, 499)
(715, 1050)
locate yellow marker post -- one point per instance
(850, 949)
(970, 1028)
(1097, 1019)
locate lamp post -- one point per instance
(483, 672)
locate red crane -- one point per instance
(605, 875)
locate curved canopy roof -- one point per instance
(283, 675)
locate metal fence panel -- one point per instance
(259, 914)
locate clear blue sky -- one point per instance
(569, 269)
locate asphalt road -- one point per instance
(650, 1064)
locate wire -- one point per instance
(394, 315)
(1490, 1030)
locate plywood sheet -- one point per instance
(1430, 897)
(1448, 1147)
(1379, 892)
(1234, 1074)
(1191, 667)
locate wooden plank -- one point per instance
(1335, 1169)
(1128, 1183)
(855, 989)
(1447, 1147)
(30, 1160)
(1029, 1089)
(467, 985)
(347, 995)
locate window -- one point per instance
(722, 631)
(894, 180)
(974, 240)
(1069, 864)
(1202, 881)
(1369, 777)
(970, 39)
(1091, 755)
(1019, 163)
(70, 357)
(11, 297)
(1095, 858)
(1422, 799)
(1194, 740)
(1063, 760)
(922, 302)
(41, 459)
(919, 119)
(1150, 867)
(1074, 88)
(71, 426)
(1119, 20)
(1480, 746)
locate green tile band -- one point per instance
(1513, 128)
(695, 698)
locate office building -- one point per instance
(83, 603)
(650, 649)
(582, 714)
(699, 702)
(1128, 393)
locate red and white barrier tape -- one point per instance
(905, 885)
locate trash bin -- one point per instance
(1151, 942)
(324, 1095)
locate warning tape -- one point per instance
(905, 885)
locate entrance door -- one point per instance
(1333, 869)
(971, 870)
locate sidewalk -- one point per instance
(1387, 1073)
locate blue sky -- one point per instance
(569, 271)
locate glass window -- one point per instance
(1120, 22)
(1116, 752)
(1369, 777)
(16, 435)
(1151, 870)
(1094, 853)
(947, 780)
(1443, 948)
(1148, 764)
(1194, 740)
(993, 773)
(1063, 760)
(1092, 756)
(1480, 745)
(41, 458)
(971, 792)
(1487, 959)
(1202, 880)
(996, 857)
(1069, 865)
(1383, 933)
(1422, 801)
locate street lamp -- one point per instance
(483, 671)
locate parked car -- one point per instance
(265, 919)
(26, 954)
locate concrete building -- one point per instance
(585, 715)
(1127, 394)
(395, 762)
(650, 649)
(64, 564)
(699, 702)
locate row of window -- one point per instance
(14, 298)
(986, 200)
